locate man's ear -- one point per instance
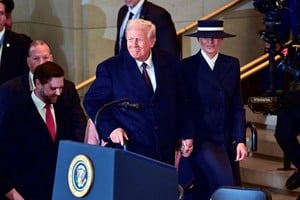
(37, 83)
(153, 42)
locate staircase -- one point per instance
(265, 168)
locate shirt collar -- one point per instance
(38, 102)
(211, 61)
(149, 61)
(137, 9)
(31, 82)
(2, 32)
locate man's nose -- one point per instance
(58, 91)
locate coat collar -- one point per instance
(213, 77)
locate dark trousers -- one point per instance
(287, 130)
(213, 166)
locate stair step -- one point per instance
(265, 173)
(276, 193)
(263, 169)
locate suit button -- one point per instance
(156, 127)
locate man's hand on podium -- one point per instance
(118, 136)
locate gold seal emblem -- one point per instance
(80, 175)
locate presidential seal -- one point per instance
(80, 175)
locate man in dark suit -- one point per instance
(146, 77)
(14, 90)
(212, 82)
(25, 140)
(287, 126)
(13, 49)
(166, 38)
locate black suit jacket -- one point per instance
(25, 142)
(166, 38)
(14, 90)
(14, 54)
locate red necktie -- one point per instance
(50, 121)
(146, 77)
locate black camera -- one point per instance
(271, 9)
(291, 59)
(266, 6)
(271, 101)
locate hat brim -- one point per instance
(210, 34)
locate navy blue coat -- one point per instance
(166, 38)
(219, 120)
(215, 98)
(152, 130)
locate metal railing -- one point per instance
(256, 65)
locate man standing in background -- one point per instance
(166, 38)
(10, 5)
(13, 48)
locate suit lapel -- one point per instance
(144, 10)
(5, 48)
(133, 74)
(205, 72)
(159, 66)
(222, 67)
(35, 116)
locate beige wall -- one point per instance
(81, 33)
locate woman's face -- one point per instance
(210, 46)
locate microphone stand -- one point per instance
(107, 105)
(119, 102)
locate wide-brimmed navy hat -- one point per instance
(210, 29)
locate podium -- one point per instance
(92, 172)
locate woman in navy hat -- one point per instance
(212, 82)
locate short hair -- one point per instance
(35, 43)
(144, 24)
(9, 5)
(46, 71)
